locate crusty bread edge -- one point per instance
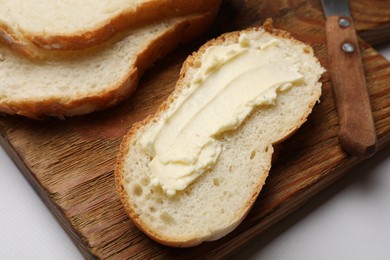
(184, 31)
(128, 138)
(29, 45)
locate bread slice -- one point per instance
(75, 25)
(217, 201)
(85, 81)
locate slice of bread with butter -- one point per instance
(191, 172)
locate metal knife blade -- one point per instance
(336, 7)
(356, 124)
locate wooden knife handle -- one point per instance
(357, 130)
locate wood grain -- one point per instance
(356, 125)
(70, 163)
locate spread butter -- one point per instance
(231, 81)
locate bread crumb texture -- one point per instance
(80, 82)
(74, 25)
(215, 203)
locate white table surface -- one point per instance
(349, 220)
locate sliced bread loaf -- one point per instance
(219, 199)
(75, 25)
(84, 81)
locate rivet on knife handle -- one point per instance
(357, 130)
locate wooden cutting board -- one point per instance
(70, 163)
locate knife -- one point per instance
(357, 133)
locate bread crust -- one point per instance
(61, 107)
(29, 45)
(131, 136)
